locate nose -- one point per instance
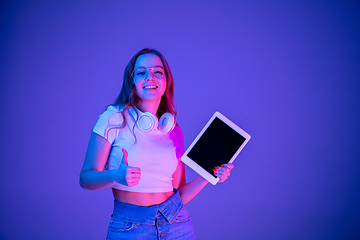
(149, 75)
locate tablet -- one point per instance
(219, 142)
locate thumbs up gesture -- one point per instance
(126, 175)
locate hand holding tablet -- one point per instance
(218, 143)
(223, 172)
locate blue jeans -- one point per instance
(169, 220)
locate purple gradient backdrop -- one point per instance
(285, 71)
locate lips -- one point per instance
(150, 87)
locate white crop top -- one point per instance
(156, 153)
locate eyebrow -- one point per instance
(150, 67)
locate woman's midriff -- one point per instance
(141, 199)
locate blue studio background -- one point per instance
(287, 72)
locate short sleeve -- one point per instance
(108, 123)
(177, 136)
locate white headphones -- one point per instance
(148, 121)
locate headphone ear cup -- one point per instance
(167, 122)
(147, 122)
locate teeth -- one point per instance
(150, 87)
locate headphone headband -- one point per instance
(147, 121)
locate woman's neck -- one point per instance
(149, 106)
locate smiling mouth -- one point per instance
(150, 87)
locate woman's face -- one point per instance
(149, 77)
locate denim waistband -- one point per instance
(140, 214)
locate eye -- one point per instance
(158, 71)
(139, 73)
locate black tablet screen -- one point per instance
(217, 146)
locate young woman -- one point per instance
(138, 156)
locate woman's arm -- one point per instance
(93, 176)
(189, 190)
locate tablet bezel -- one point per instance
(195, 166)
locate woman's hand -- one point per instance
(223, 171)
(129, 176)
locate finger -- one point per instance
(226, 168)
(230, 166)
(133, 176)
(221, 169)
(133, 170)
(130, 184)
(133, 180)
(125, 157)
(222, 179)
(218, 168)
(217, 173)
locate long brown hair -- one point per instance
(128, 97)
